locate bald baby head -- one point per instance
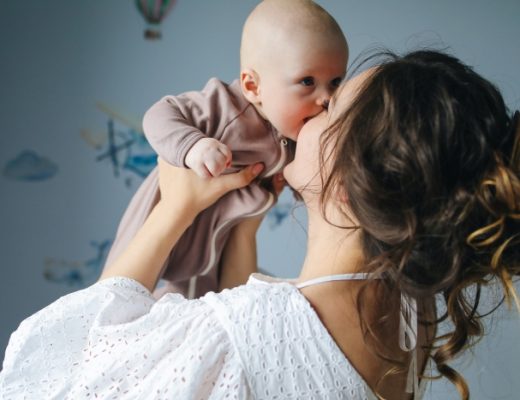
(275, 25)
(293, 57)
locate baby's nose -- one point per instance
(325, 104)
(323, 99)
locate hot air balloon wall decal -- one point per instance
(154, 11)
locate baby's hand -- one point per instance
(208, 157)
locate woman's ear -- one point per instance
(250, 85)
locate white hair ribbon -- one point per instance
(408, 339)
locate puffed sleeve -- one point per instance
(175, 123)
(113, 340)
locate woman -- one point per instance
(411, 184)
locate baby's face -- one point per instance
(298, 85)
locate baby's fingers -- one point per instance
(201, 170)
(226, 152)
(216, 164)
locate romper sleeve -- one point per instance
(175, 123)
(114, 339)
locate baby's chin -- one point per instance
(292, 135)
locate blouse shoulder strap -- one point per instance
(338, 277)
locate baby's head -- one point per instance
(293, 56)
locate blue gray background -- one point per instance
(59, 58)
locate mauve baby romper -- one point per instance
(172, 126)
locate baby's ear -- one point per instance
(250, 85)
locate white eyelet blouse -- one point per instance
(113, 340)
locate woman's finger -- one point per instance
(241, 178)
(188, 191)
(278, 183)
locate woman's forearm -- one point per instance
(183, 196)
(144, 257)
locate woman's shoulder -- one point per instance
(117, 327)
(260, 295)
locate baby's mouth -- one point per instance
(307, 119)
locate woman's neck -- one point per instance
(330, 249)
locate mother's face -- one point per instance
(303, 173)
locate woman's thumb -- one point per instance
(242, 178)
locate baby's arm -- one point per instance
(185, 130)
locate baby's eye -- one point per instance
(336, 82)
(307, 81)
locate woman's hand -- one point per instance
(182, 190)
(183, 195)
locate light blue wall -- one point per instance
(59, 57)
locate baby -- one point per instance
(293, 56)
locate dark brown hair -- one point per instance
(427, 155)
